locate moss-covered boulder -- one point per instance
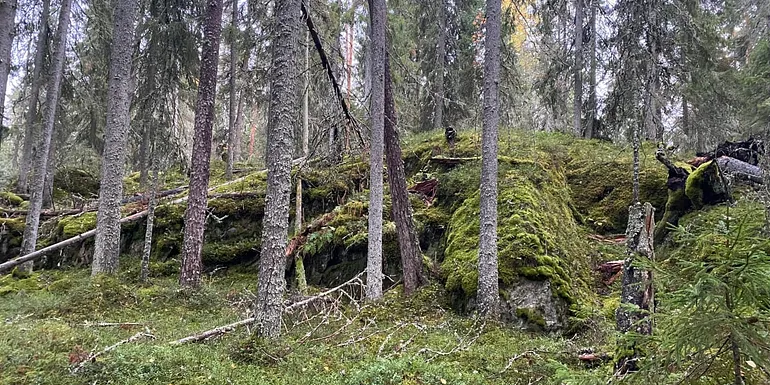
(540, 247)
(9, 199)
(76, 181)
(11, 236)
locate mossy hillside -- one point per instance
(600, 177)
(538, 237)
(390, 342)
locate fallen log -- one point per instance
(248, 321)
(447, 161)
(741, 169)
(88, 234)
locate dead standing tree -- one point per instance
(637, 292)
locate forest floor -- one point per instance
(51, 325)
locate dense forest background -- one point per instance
(385, 192)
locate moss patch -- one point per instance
(10, 199)
(538, 237)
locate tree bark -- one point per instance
(438, 114)
(49, 176)
(401, 209)
(41, 153)
(195, 215)
(281, 118)
(377, 14)
(488, 296)
(299, 265)
(30, 120)
(107, 244)
(7, 31)
(591, 119)
(577, 121)
(231, 123)
(637, 292)
(147, 250)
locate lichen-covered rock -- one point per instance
(534, 305)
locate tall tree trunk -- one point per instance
(30, 121)
(231, 123)
(281, 118)
(299, 265)
(7, 30)
(591, 121)
(488, 296)
(144, 154)
(240, 114)
(577, 121)
(401, 209)
(107, 244)
(195, 215)
(637, 294)
(438, 114)
(37, 180)
(377, 14)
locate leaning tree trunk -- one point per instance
(30, 119)
(7, 30)
(637, 300)
(107, 244)
(195, 215)
(377, 12)
(231, 123)
(401, 209)
(488, 296)
(41, 153)
(281, 118)
(577, 121)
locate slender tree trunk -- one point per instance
(7, 31)
(377, 14)
(195, 215)
(438, 114)
(401, 209)
(107, 244)
(577, 121)
(30, 120)
(299, 265)
(591, 121)
(281, 118)
(231, 125)
(50, 170)
(637, 292)
(145, 270)
(488, 296)
(143, 155)
(37, 180)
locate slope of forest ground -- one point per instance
(560, 200)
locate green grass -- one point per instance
(396, 341)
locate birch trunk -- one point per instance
(195, 215)
(488, 292)
(281, 119)
(147, 250)
(41, 153)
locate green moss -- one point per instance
(12, 230)
(68, 227)
(229, 252)
(20, 282)
(705, 185)
(532, 316)
(10, 199)
(76, 181)
(538, 237)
